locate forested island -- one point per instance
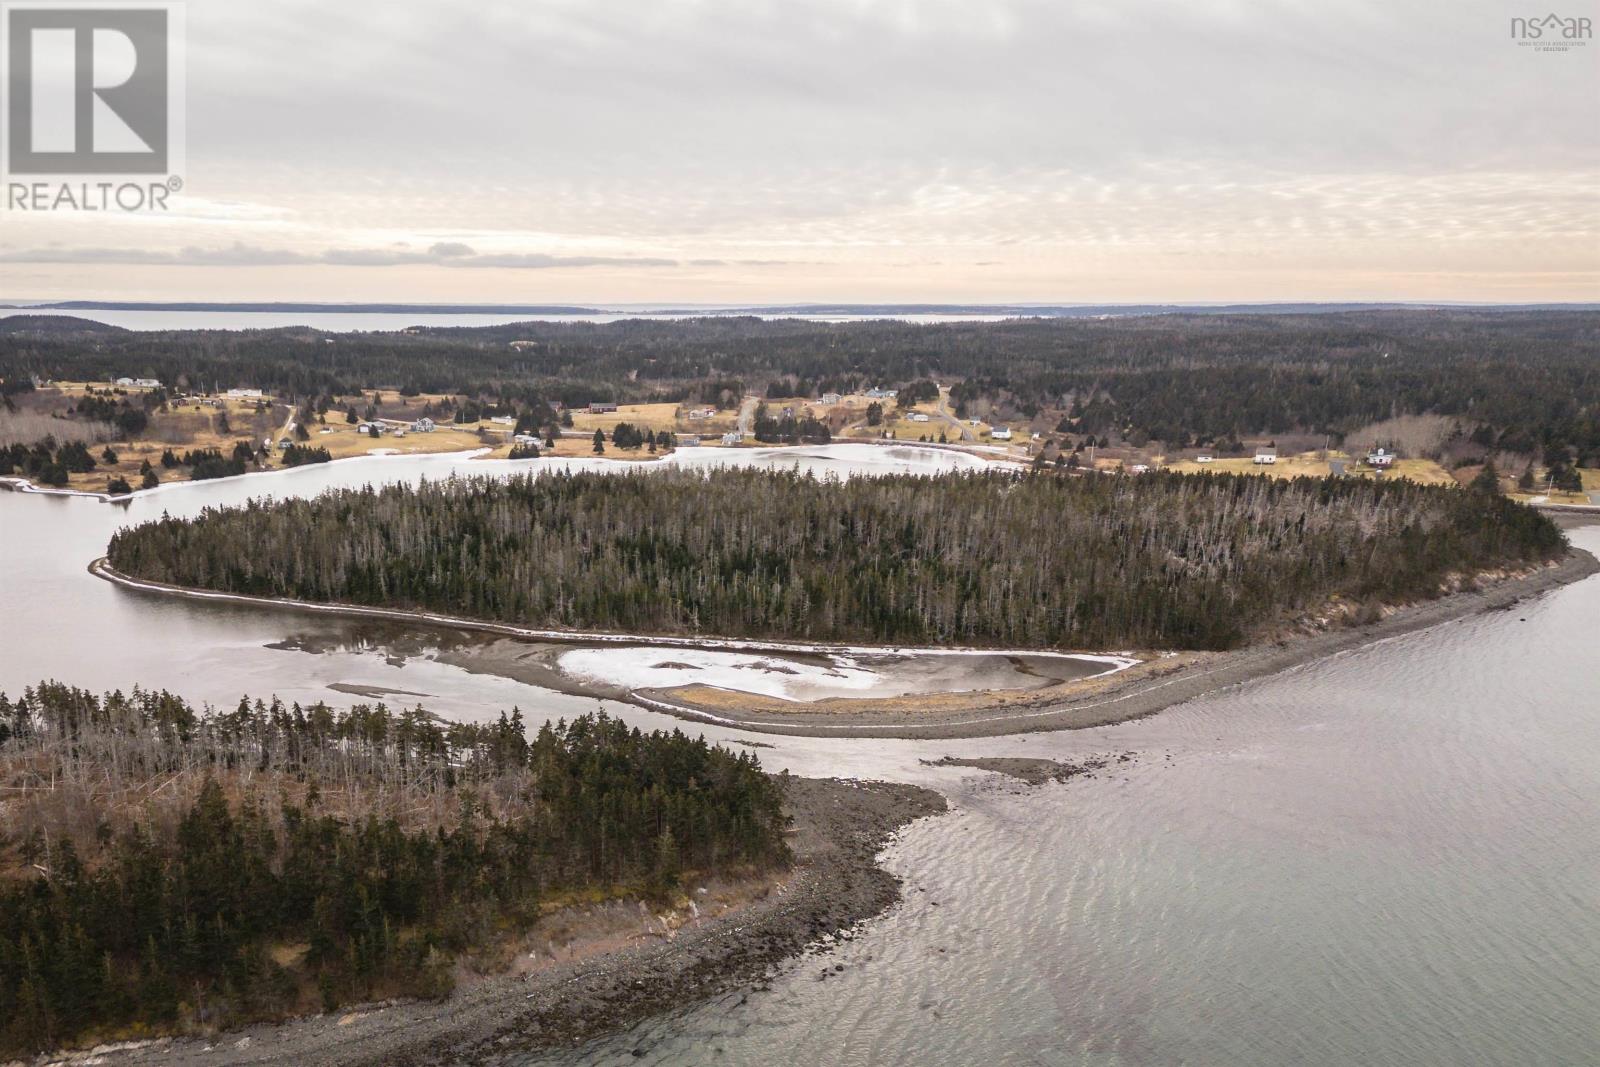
(1037, 560)
(164, 869)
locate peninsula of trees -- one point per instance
(164, 870)
(989, 558)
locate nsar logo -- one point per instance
(1552, 33)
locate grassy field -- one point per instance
(1591, 483)
(181, 427)
(670, 417)
(1312, 465)
(197, 423)
(898, 425)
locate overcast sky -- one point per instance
(725, 151)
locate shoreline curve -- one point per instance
(1119, 700)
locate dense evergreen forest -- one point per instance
(1532, 378)
(163, 869)
(988, 558)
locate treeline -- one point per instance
(1041, 560)
(1532, 376)
(297, 455)
(50, 463)
(128, 419)
(165, 869)
(786, 429)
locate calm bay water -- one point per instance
(1387, 857)
(1390, 857)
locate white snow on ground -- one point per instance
(839, 672)
(643, 668)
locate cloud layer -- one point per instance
(748, 149)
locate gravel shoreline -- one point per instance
(840, 827)
(1138, 697)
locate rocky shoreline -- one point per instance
(840, 826)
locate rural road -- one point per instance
(967, 436)
(747, 415)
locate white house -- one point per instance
(524, 439)
(702, 413)
(732, 437)
(831, 398)
(1204, 457)
(688, 440)
(124, 381)
(423, 425)
(1266, 456)
(1000, 433)
(147, 383)
(918, 416)
(1379, 459)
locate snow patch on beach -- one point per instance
(774, 676)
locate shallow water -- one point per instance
(1390, 856)
(80, 629)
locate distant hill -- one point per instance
(54, 324)
(1082, 311)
